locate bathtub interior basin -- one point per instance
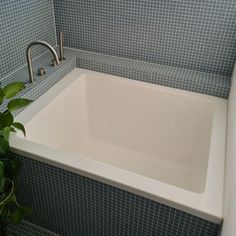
(136, 128)
(163, 134)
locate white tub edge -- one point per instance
(209, 201)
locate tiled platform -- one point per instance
(211, 84)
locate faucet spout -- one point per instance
(29, 56)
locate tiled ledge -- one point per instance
(42, 83)
(211, 84)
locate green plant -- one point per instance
(10, 209)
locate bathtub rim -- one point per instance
(198, 204)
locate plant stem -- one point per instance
(3, 202)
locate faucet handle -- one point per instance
(53, 62)
(41, 71)
(61, 48)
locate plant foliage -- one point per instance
(10, 209)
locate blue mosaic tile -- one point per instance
(211, 84)
(186, 35)
(69, 204)
(87, 23)
(22, 22)
(41, 83)
(189, 34)
(28, 229)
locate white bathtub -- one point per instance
(165, 144)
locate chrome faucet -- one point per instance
(61, 42)
(29, 57)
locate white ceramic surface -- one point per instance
(230, 190)
(162, 143)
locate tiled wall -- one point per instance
(200, 82)
(42, 83)
(70, 204)
(191, 34)
(21, 22)
(198, 35)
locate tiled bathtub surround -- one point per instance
(42, 83)
(21, 22)
(70, 204)
(211, 84)
(197, 35)
(188, 34)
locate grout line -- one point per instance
(150, 63)
(54, 22)
(22, 66)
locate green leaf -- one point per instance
(18, 103)
(1, 96)
(17, 216)
(4, 146)
(25, 210)
(2, 183)
(12, 89)
(12, 166)
(6, 119)
(2, 177)
(16, 165)
(12, 130)
(6, 133)
(19, 126)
